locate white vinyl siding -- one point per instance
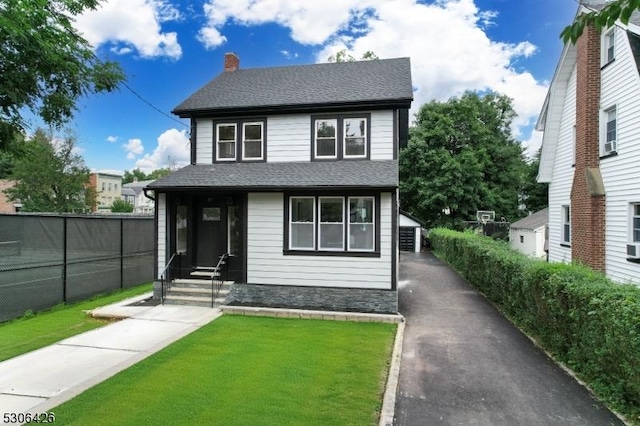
(162, 232)
(528, 241)
(204, 141)
(288, 138)
(266, 263)
(382, 135)
(621, 86)
(560, 186)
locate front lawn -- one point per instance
(44, 328)
(249, 371)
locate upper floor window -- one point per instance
(240, 140)
(226, 141)
(609, 46)
(341, 137)
(609, 143)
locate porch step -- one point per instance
(197, 283)
(192, 300)
(205, 273)
(197, 291)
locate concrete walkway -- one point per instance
(463, 363)
(61, 371)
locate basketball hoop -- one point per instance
(485, 216)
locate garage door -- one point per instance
(407, 239)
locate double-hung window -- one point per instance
(566, 225)
(635, 222)
(340, 137)
(610, 131)
(226, 141)
(252, 141)
(332, 223)
(609, 46)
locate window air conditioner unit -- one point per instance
(633, 251)
(609, 147)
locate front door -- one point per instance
(211, 231)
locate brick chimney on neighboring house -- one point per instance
(587, 191)
(231, 62)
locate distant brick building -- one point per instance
(7, 206)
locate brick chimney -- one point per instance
(587, 191)
(231, 62)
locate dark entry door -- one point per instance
(212, 232)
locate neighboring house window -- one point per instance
(341, 137)
(109, 186)
(104, 186)
(635, 222)
(566, 225)
(610, 131)
(342, 224)
(252, 139)
(521, 239)
(226, 142)
(609, 44)
(302, 223)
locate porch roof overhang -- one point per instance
(354, 174)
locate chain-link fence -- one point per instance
(48, 259)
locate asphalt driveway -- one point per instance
(463, 363)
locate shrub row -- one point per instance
(585, 320)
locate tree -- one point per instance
(535, 196)
(602, 18)
(121, 206)
(344, 56)
(138, 174)
(51, 177)
(462, 158)
(11, 148)
(46, 66)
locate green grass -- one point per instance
(249, 371)
(35, 331)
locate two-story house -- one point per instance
(294, 174)
(590, 151)
(133, 193)
(108, 187)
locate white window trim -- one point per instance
(605, 46)
(604, 120)
(344, 138)
(320, 223)
(315, 137)
(235, 126)
(291, 222)
(632, 216)
(565, 211)
(372, 223)
(244, 140)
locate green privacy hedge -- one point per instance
(585, 320)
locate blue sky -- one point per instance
(169, 48)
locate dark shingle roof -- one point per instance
(277, 176)
(533, 221)
(380, 80)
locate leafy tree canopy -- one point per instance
(121, 206)
(535, 196)
(344, 56)
(51, 177)
(46, 66)
(603, 18)
(138, 174)
(462, 158)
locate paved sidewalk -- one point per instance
(463, 363)
(61, 371)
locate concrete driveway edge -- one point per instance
(387, 413)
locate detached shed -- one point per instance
(529, 235)
(410, 233)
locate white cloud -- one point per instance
(533, 143)
(134, 148)
(129, 24)
(112, 139)
(450, 51)
(172, 151)
(289, 55)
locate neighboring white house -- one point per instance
(133, 193)
(528, 235)
(590, 151)
(293, 172)
(410, 233)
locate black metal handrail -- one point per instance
(215, 290)
(166, 278)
